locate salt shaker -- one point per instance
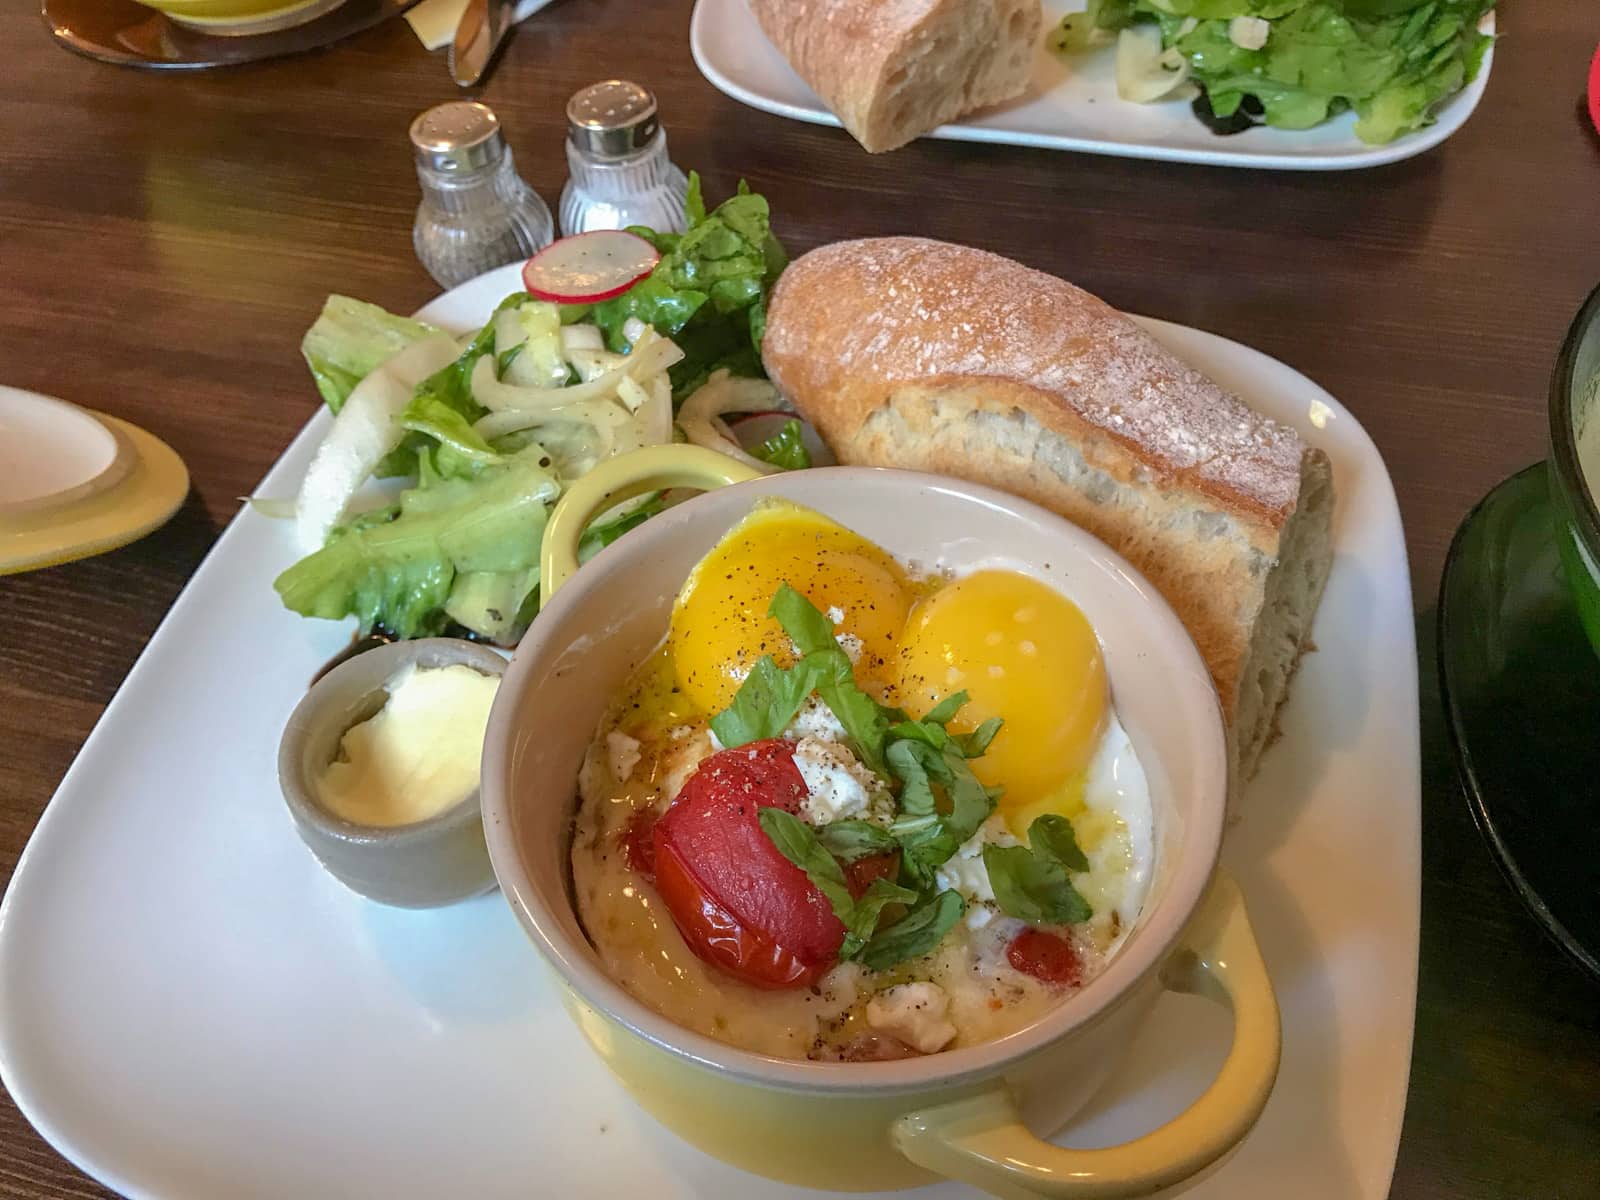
(619, 173)
(476, 212)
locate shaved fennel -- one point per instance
(701, 414)
(363, 432)
(651, 355)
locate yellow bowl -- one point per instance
(241, 16)
(972, 1113)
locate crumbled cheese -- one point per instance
(623, 753)
(851, 645)
(964, 871)
(1249, 33)
(839, 785)
(815, 720)
(914, 1013)
(836, 615)
(979, 913)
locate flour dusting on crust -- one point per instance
(949, 312)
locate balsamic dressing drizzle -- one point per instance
(1246, 115)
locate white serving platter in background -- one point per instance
(1069, 106)
(190, 1007)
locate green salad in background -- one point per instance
(486, 432)
(1296, 63)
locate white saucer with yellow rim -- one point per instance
(75, 483)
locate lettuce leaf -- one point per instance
(1392, 61)
(349, 340)
(448, 390)
(786, 448)
(395, 569)
(708, 293)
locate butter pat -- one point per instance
(418, 755)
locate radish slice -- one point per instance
(589, 267)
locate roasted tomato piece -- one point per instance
(720, 938)
(639, 843)
(1046, 957)
(858, 876)
(739, 903)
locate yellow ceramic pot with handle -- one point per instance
(242, 16)
(978, 1113)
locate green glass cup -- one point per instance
(1575, 440)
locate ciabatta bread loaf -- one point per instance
(891, 70)
(911, 353)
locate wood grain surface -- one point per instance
(165, 240)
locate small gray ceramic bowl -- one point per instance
(425, 865)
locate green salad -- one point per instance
(486, 432)
(1295, 63)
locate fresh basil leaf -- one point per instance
(810, 631)
(931, 729)
(916, 764)
(920, 731)
(798, 842)
(863, 919)
(974, 744)
(1033, 887)
(943, 712)
(1054, 835)
(970, 802)
(864, 719)
(853, 838)
(861, 715)
(929, 833)
(916, 933)
(766, 702)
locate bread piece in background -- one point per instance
(891, 70)
(911, 353)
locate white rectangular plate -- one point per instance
(1068, 107)
(191, 1007)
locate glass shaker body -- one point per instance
(476, 212)
(618, 170)
(643, 189)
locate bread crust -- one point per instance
(891, 70)
(917, 354)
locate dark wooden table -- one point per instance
(164, 241)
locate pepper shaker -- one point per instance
(619, 172)
(476, 212)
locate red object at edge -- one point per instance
(1045, 956)
(737, 901)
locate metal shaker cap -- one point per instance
(462, 135)
(613, 119)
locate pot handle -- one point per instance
(623, 478)
(981, 1140)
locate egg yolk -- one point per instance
(1023, 653)
(720, 626)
